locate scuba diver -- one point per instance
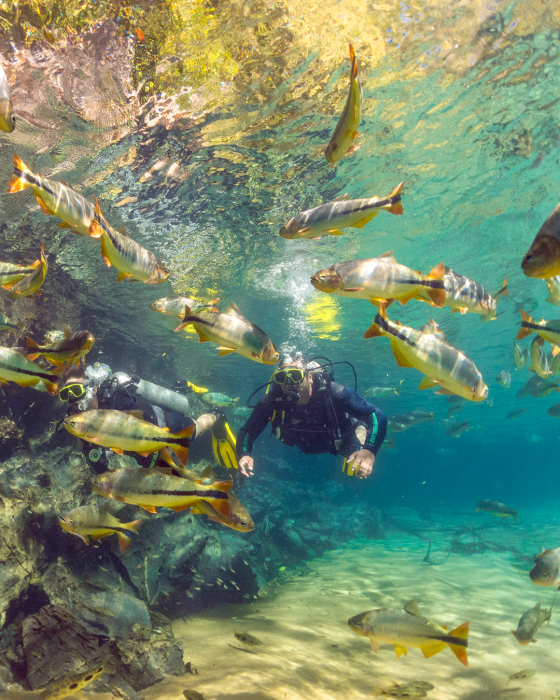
(306, 408)
(90, 387)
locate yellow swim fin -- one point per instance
(223, 444)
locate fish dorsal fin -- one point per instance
(412, 608)
(433, 328)
(208, 473)
(388, 256)
(66, 331)
(122, 230)
(449, 270)
(233, 310)
(342, 197)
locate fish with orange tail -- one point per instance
(11, 274)
(329, 219)
(346, 131)
(406, 627)
(549, 330)
(97, 523)
(55, 198)
(429, 351)
(15, 367)
(71, 348)
(130, 258)
(122, 430)
(159, 488)
(31, 283)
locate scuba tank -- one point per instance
(152, 393)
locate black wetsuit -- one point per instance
(124, 400)
(310, 428)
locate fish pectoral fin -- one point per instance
(399, 650)
(427, 383)
(354, 147)
(432, 650)
(123, 276)
(335, 232)
(445, 392)
(375, 645)
(225, 351)
(104, 253)
(124, 542)
(399, 357)
(365, 220)
(304, 230)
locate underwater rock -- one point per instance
(11, 437)
(143, 663)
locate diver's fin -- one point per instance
(223, 445)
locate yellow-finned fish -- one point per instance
(92, 521)
(463, 295)
(121, 430)
(406, 627)
(519, 356)
(346, 131)
(530, 622)
(328, 219)
(539, 362)
(159, 488)
(549, 330)
(56, 198)
(546, 571)
(380, 279)
(7, 118)
(553, 284)
(175, 306)
(31, 283)
(197, 389)
(71, 348)
(130, 258)
(429, 351)
(239, 518)
(497, 509)
(6, 324)
(233, 333)
(15, 367)
(543, 258)
(10, 273)
(72, 682)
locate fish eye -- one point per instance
(13, 119)
(528, 258)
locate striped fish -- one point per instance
(56, 198)
(346, 131)
(549, 330)
(379, 279)
(31, 283)
(328, 219)
(72, 347)
(73, 682)
(92, 521)
(121, 430)
(130, 258)
(519, 355)
(175, 306)
(406, 627)
(463, 295)
(429, 351)
(6, 324)
(10, 273)
(553, 284)
(543, 257)
(7, 119)
(159, 488)
(233, 333)
(539, 361)
(14, 367)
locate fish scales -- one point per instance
(11, 273)
(14, 367)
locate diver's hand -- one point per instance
(246, 465)
(362, 463)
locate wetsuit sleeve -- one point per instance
(374, 419)
(253, 427)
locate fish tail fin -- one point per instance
(134, 525)
(185, 323)
(374, 331)
(524, 331)
(32, 344)
(461, 632)
(395, 207)
(22, 177)
(186, 432)
(434, 281)
(95, 228)
(182, 453)
(503, 291)
(124, 542)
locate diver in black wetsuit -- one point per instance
(309, 410)
(94, 386)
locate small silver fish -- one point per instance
(530, 622)
(521, 675)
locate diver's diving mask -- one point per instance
(291, 375)
(75, 390)
(96, 374)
